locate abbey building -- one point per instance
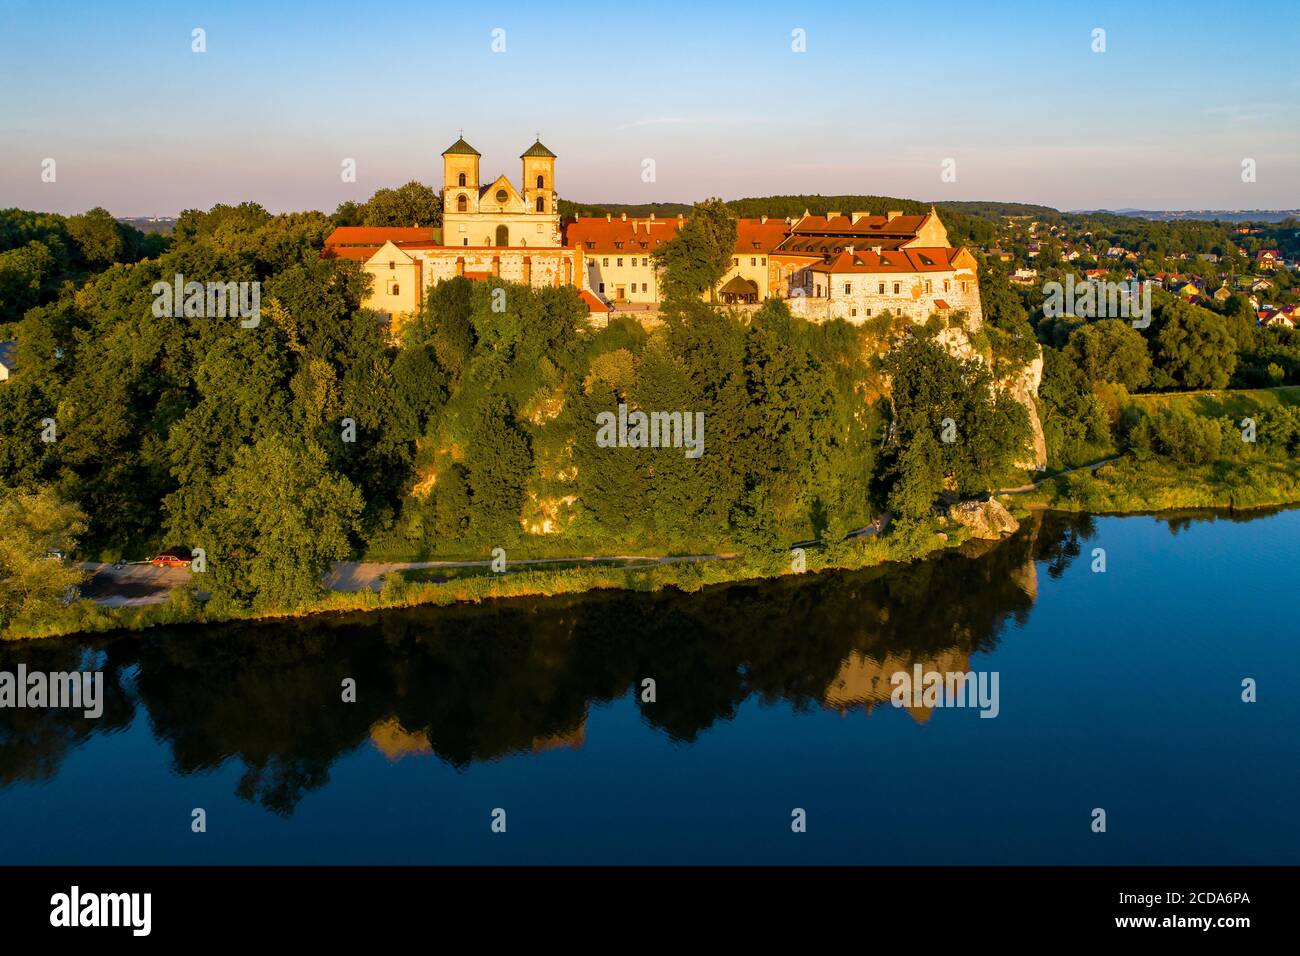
(850, 265)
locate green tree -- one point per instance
(699, 255)
(99, 237)
(281, 518)
(1110, 350)
(34, 584)
(414, 204)
(1194, 349)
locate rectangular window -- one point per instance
(753, 261)
(868, 313)
(945, 285)
(855, 312)
(591, 263)
(896, 288)
(644, 287)
(929, 286)
(764, 258)
(848, 288)
(605, 262)
(396, 289)
(602, 288)
(882, 288)
(620, 263)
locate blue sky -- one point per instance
(712, 92)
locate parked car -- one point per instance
(169, 559)
(54, 554)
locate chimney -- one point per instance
(609, 217)
(893, 214)
(680, 217)
(624, 217)
(855, 216)
(762, 220)
(652, 216)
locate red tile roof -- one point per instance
(905, 226)
(593, 304)
(632, 236)
(355, 253)
(377, 235)
(901, 260)
(754, 235)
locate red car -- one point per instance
(169, 559)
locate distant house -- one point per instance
(8, 352)
(1072, 255)
(1268, 259)
(1000, 255)
(1259, 285)
(1222, 294)
(1278, 317)
(1207, 257)
(1024, 276)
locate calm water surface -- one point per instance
(1119, 690)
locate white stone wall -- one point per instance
(910, 294)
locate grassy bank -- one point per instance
(1157, 484)
(1212, 465)
(412, 588)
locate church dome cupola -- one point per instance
(460, 180)
(539, 178)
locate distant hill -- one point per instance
(162, 225)
(1207, 215)
(662, 210)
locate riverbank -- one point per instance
(1129, 485)
(474, 582)
(1126, 485)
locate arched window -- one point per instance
(462, 204)
(462, 180)
(541, 204)
(503, 236)
(541, 182)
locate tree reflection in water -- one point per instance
(477, 683)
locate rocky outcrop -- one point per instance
(987, 520)
(1023, 387)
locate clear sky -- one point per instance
(711, 91)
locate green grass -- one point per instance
(1217, 403)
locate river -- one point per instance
(1117, 690)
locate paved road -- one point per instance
(131, 584)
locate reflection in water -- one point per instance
(473, 684)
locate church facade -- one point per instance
(851, 266)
